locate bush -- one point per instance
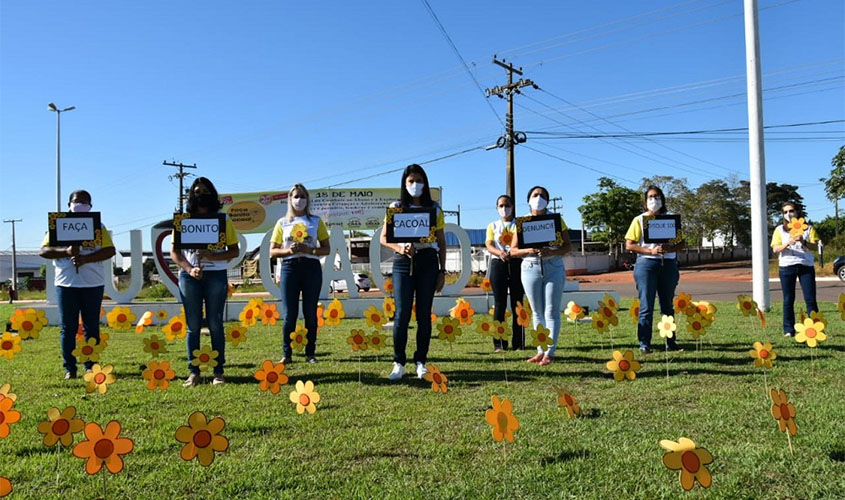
(158, 291)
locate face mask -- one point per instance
(789, 215)
(415, 189)
(505, 211)
(537, 203)
(654, 204)
(208, 201)
(80, 207)
(299, 204)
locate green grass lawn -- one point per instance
(376, 439)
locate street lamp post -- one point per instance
(52, 107)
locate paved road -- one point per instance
(827, 291)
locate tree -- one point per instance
(609, 212)
(714, 206)
(834, 185)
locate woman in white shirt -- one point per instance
(505, 271)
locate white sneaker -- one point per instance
(398, 372)
(421, 370)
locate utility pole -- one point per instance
(454, 212)
(511, 138)
(181, 175)
(554, 203)
(13, 292)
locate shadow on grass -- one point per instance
(837, 455)
(565, 456)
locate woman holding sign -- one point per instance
(505, 271)
(543, 271)
(299, 239)
(419, 270)
(202, 278)
(656, 269)
(795, 247)
(79, 284)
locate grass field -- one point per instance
(377, 439)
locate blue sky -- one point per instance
(263, 94)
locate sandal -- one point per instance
(535, 359)
(547, 360)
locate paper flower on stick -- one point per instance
(797, 226)
(374, 317)
(448, 329)
(5, 486)
(599, 322)
(28, 323)
(270, 376)
(334, 313)
(691, 461)
(682, 303)
(501, 330)
(437, 379)
(763, 354)
(484, 327)
(523, 314)
(9, 345)
(667, 327)
(298, 340)
(810, 331)
(376, 341)
(201, 438)
(175, 328)
(155, 345)
(158, 375)
(609, 315)
(162, 315)
(486, 286)
(269, 314)
(502, 419)
(462, 311)
(249, 316)
(506, 238)
(746, 305)
(104, 339)
(357, 340)
(144, 321)
(99, 378)
(305, 397)
(120, 318)
(236, 335)
(818, 317)
(705, 309)
(573, 311)
(204, 358)
(7, 416)
(388, 305)
(103, 448)
(840, 306)
(299, 232)
(696, 326)
(60, 426)
(6, 392)
(762, 317)
(388, 286)
(88, 351)
(492, 312)
(540, 337)
(634, 311)
(623, 366)
(783, 411)
(566, 400)
(320, 319)
(609, 301)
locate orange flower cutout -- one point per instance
(486, 286)
(175, 328)
(502, 420)
(202, 438)
(103, 448)
(437, 379)
(691, 461)
(269, 314)
(320, 319)
(566, 400)
(523, 314)
(158, 375)
(7, 416)
(270, 376)
(506, 238)
(682, 302)
(782, 410)
(145, 321)
(236, 335)
(60, 426)
(5, 486)
(358, 340)
(574, 311)
(388, 286)
(462, 311)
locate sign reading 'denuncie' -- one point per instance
(73, 228)
(538, 231)
(409, 225)
(194, 231)
(661, 228)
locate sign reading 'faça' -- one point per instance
(73, 228)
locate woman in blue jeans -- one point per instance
(655, 272)
(300, 239)
(202, 278)
(795, 261)
(543, 283)
(418, 271)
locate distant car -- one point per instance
(839, 267)
(362, 281)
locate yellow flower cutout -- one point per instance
(104, 339)
(810, 331)
(305, 397)
(204, 358)
(566, 400)
(634, 311)
(175, 328)
(60, 426)
(746, 305)
(574, 311)
(696, 325)
(523, 314)
(486, 285)
(249, 315)
(376, 341)
(484, 327)
(298, 340)
(599, 323)
(818, 316)
(5, 392)
(502, 419)
(202, 438)
(623, 366)
(335, 313)
(121, 318)
(608, 314)
(492, 312)
(299, 232)
(155, 345)
(691, 461)
(763, 354)
(162, 314)
(9, 345)
(506, 238)
(374, 317)
(783, 411)
(99, 378)
(144, 321)
(269, 314)
(448, 329)
(27, 323)
(388, 305)
(437, 379)
(501, 330)
(236, 335)
(682, 302)
(88, 351)
(462, 311)
(540, 337)
(705, 309)
(270, 376)
(797, 226)
(158, 375)
(609, 301)
(358, 340)
(667, 327)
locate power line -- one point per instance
(688, 132)
(634, 183)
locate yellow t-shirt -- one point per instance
(309, 230)
(636, 234)
(88, 275)
(212, 265)
(794, 253)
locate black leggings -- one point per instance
(505, 276)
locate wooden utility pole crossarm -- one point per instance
(181, 175)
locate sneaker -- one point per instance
(70, 375)
(498, 350)
(285, 361)
(421, 370)
(398, 371)
(645, 350)
(311, 360)
(675, 348)
(218, 380)
(192, 380)
(535, 359)
(787, 334)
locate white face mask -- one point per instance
(505, 211)
(299, 204)
(789, 215)
(654, 204)
(80, 207)
(537, 203)
(415, 189)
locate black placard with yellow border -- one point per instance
(74, 228)
(411, 225)
(538, 231)
(199, 231)
(661, 228)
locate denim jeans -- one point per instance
(211, 289)
(505, 276)
(660, 277)
(405, 287)
(544, 289)
(74, 301)
(807, 276)
(305, 276)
